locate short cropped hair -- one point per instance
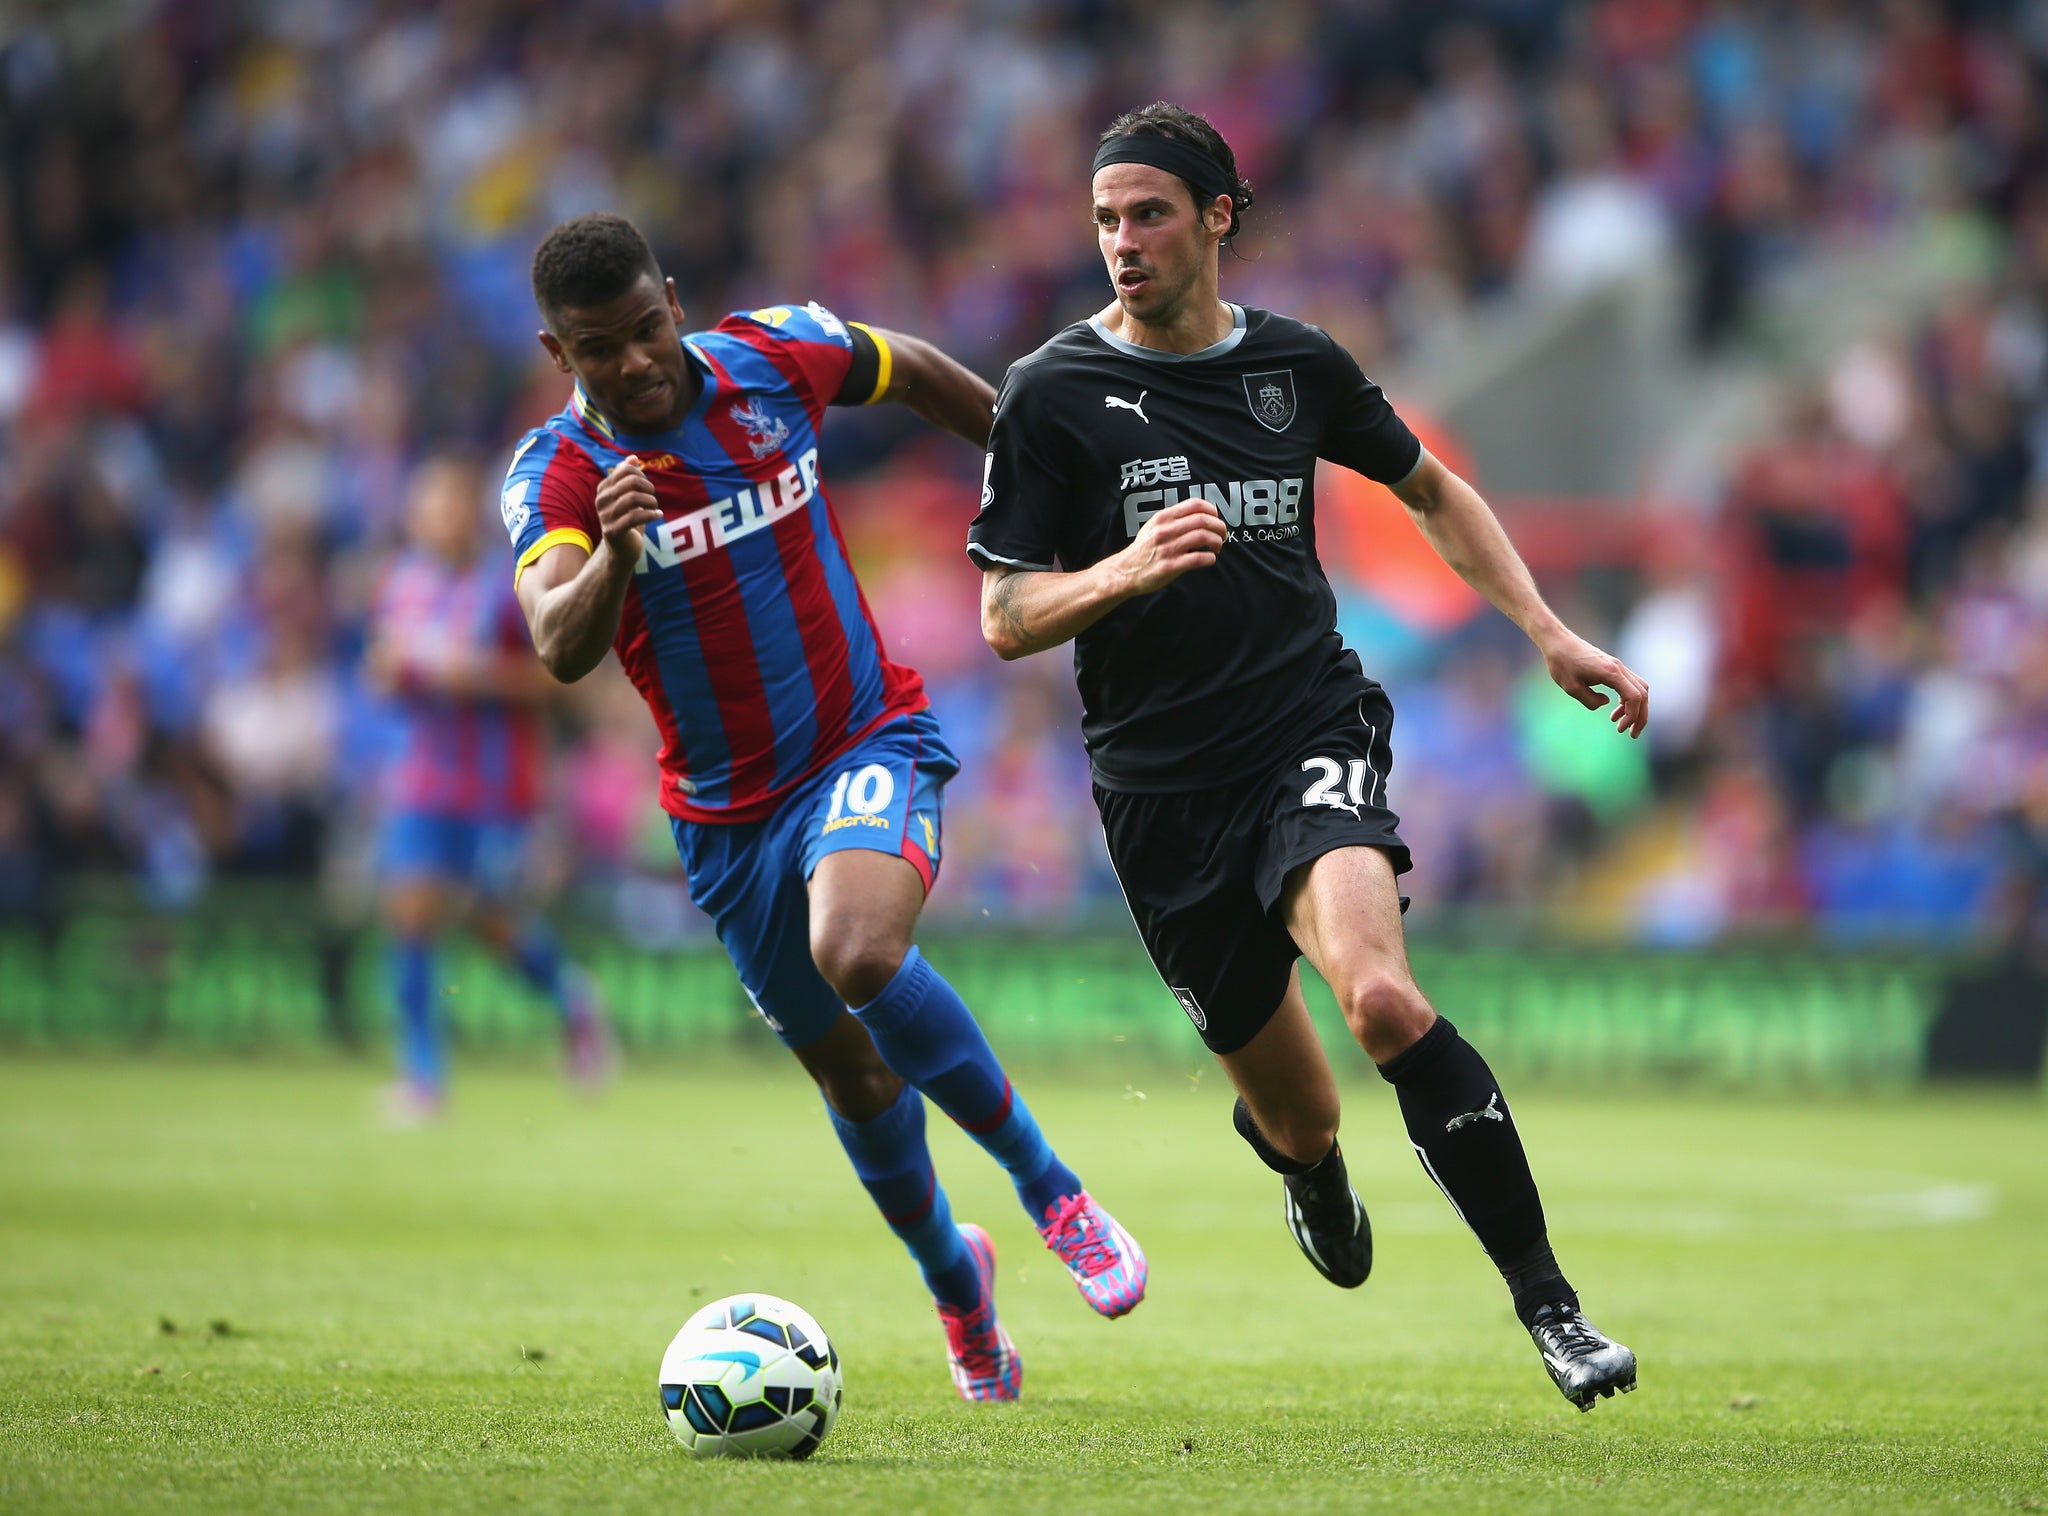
(1162, 118)
(588, 261)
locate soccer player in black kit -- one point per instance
(1150, 494)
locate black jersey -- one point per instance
(1204, 681)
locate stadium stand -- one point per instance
(259, 260)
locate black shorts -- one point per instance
(1203, 870)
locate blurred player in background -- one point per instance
(448, 643)
(674, 511)
(1150, 497)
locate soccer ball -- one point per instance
(750, 1376)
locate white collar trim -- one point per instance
(1215, 349)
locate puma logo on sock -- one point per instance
(1491, 1111)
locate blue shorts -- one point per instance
(488, 856)
(882, 796)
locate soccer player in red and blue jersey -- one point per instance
(674, 511)
(449, 645)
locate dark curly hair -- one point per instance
(588, 261)
(1162, 118)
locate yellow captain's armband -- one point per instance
(882, 361)
(555, 538)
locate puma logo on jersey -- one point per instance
(1491, 1111)
(1137, 405)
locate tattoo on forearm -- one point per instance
(1007, 589)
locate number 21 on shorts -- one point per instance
(1358, 784)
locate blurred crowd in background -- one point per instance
(261, 260)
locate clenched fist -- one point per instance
(1186, 535)
(625, 504)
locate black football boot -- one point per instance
(1324, 1214)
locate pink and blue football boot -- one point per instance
(1108, 1266)
(984, 1361)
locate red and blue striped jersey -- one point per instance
(744, 628)
(457, 756)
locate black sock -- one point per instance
(1461, 1129)
(1270, 1156)
(1535, 1281)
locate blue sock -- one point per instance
(538, 957)
(420, 1055)
(924, 1031)
(895, 1166)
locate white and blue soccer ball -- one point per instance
(750, 1376)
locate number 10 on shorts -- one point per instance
(864, 791)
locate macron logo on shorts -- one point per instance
(1192, 1006)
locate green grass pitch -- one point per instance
(1839, 1305)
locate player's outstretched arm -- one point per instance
(1468, 536)
(945, 393)
(1026, 611)
(506, 676)
(572, 598)
(490, 675)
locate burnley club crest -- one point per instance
(1271, 397)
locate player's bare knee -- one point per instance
(1384, 1009)
(857, 960)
